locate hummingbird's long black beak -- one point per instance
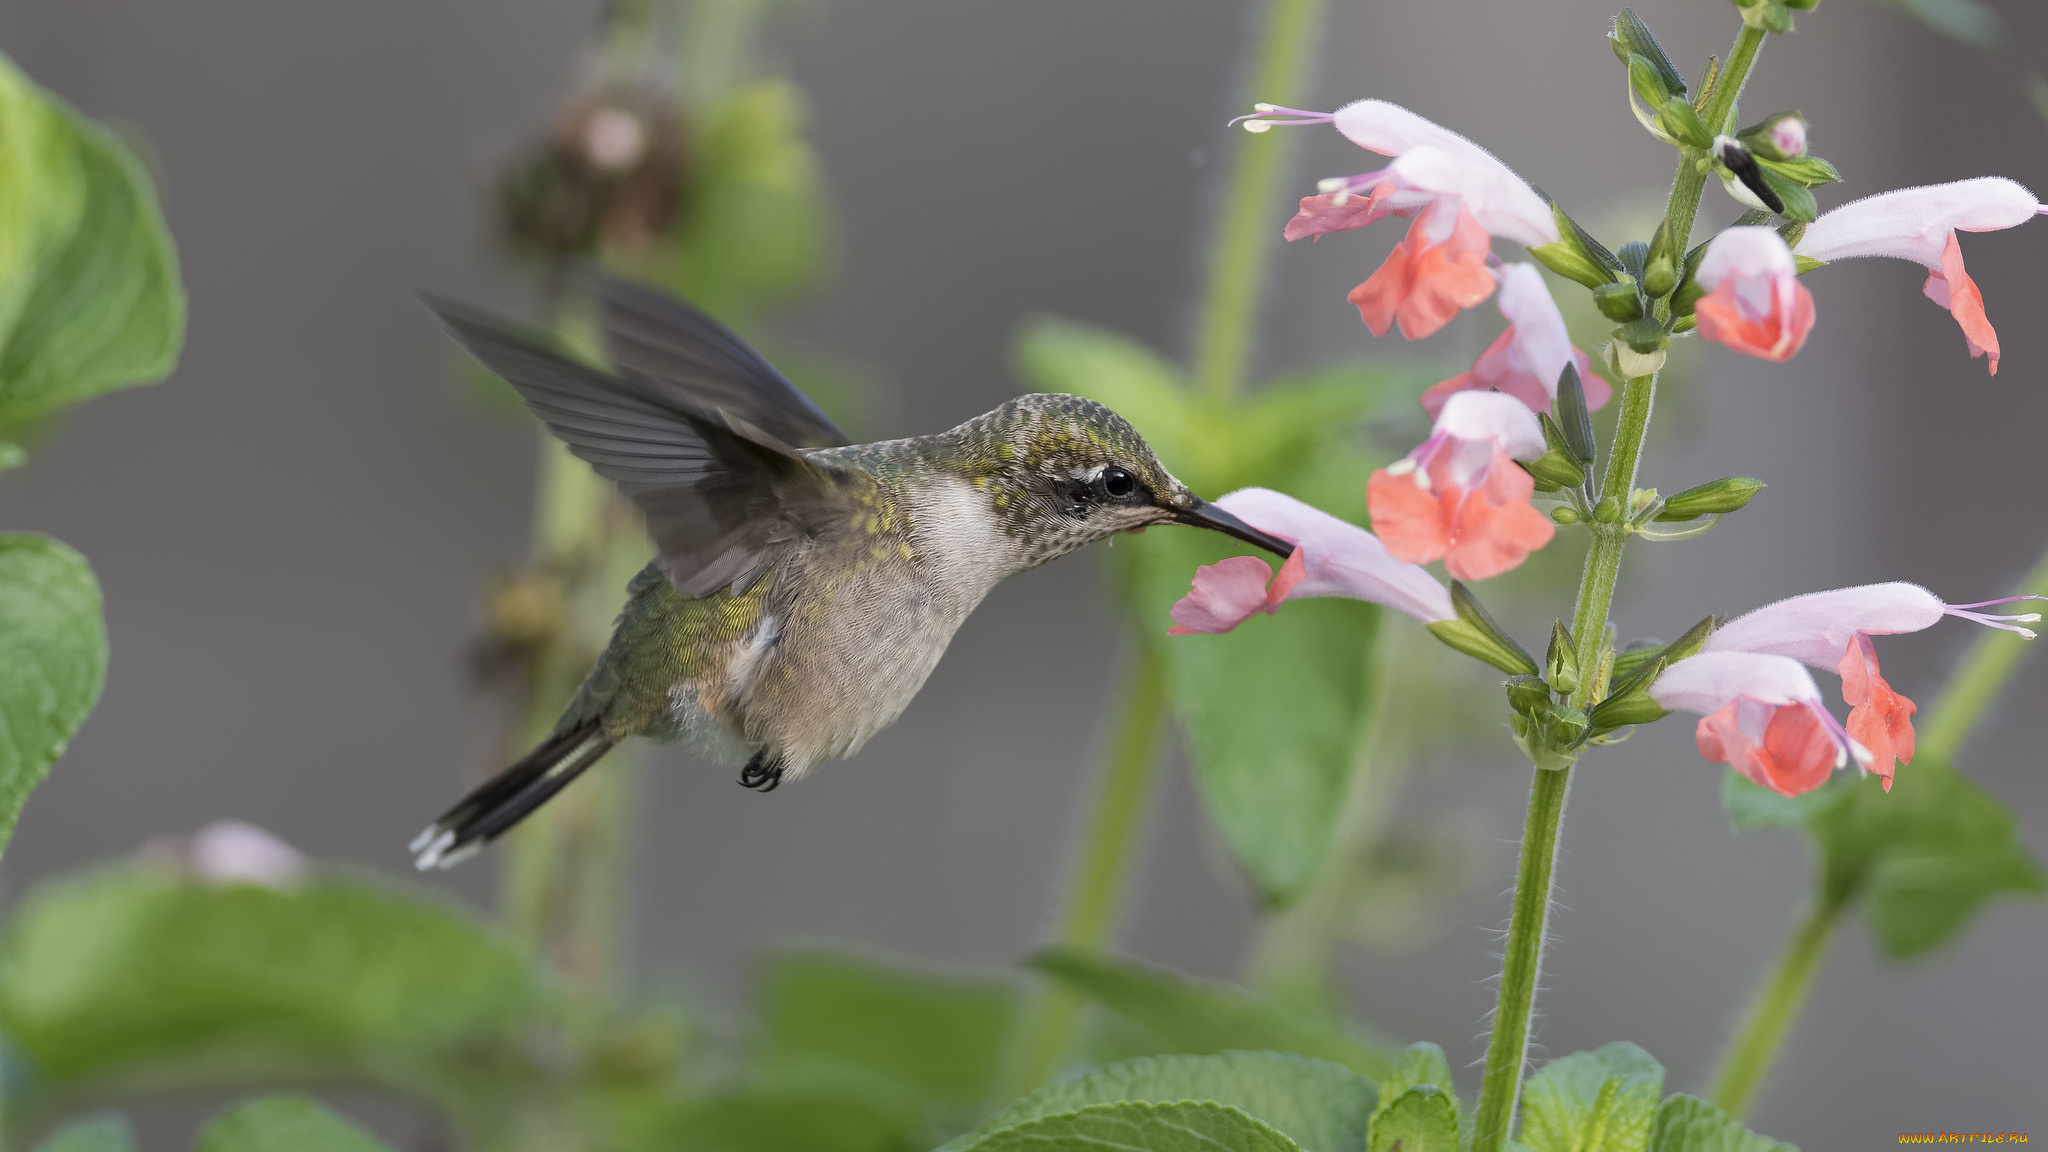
(1202, 514)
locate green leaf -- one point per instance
(941, 1038)
(11, 455)
(1924, 856)
(1970, 21)
(53, 659)
(1316, 1104)
(812, 1113)
(1188, 1126)
(106, 1132)
(1598, 1101)
(1422, 1119)
(1752, 806)
(1272, 711)
(286, 1124)
(1689, 1124)
(1411, 1095)
(757, 226)
(89, 294)
(134, 968)
(1196, 1017)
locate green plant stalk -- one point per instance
(1114, 822)
(1979, 679)
(1776, 1006)
(1971, 688)
(1244, 230)
(1507, 1048)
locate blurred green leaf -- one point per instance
(1598, 1101)
(1188, 1126)
(1196, 1017)
(1422, 1119)
(1752, 806)
(89, 294)
(1272, 711)
(11, 455)
(286, 1124)
(53, 659)
(811, 1113)
(1318, 1105)
(1924, 856)
(942, 1038)
(106, 1132)
(1970, 21)
(134, 969)
(757, 224)
(1689, 1124)
(1420, 1064)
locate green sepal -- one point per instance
(1810, 171)
(1643, 79)
(1798, 202)
(1689, 291)
(1555, 467)
(1629, 35)
(1476, 635)
(1529, 696)
(1714, 497)
(1630, 702)
(1576, 256)
(1632, 657)
(1645, 335)
(1690, 642)
(1678, 120)
(1777, 18)
(1633, 255)
(1561, 663)
(1660, 276)
(1572, 418)
(1805, 264)
(1619, 301)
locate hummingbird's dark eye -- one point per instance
(1118, 483)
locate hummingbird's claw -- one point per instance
(762, 773)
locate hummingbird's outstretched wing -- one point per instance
(718, 501)
(673, 344)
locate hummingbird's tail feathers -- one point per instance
(509, 797)
(679, 347)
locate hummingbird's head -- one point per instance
(1063, 472)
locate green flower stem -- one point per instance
(1114, 821)
(1971, 688)
(1244, 232)
(1979, 679)
(1507, 1048)
(1771, 1014)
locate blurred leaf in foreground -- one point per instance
(1182, 1015)
(53, 659)
(1598, 1101)
(106, 1132)
(1970, 21)
(286, 1124)
(1689, 1124)
(89, 294)
(136, 970)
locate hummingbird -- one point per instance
(803, 587)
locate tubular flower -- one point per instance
(1760, 714)
(1331, 558)
(1754, 302)
(1462, 193)
(1459, 496)
(1526, 360)
(1833, 630)
(1920, 224)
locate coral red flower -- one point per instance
(1439, 268)
(1762, 715)
(1920, 224)
(1458, 496)
(1527, 359)
(1755, 302)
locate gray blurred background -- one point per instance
(294, 531)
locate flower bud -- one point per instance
(1529, 695)
(1681, 123)
(1555, 469)
(1712, 498)
(1619, 301)
(1629, 36)
(1577, 256)
(1564, 514)
(1659, 278)
(1779, 137)
(1647, 85)
(1561, 662)
(1574, 422)
(1476, 635)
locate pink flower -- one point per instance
(1463, 194)
(1833, 630)
(1331, 558)
(1920, 224)
(1527, 359)
(1459, 496)
(1755, 302)
(1760, 714)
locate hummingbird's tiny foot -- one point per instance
(761, 773)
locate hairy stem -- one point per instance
(1770, 1015)
(1979, 679)
(1108, 844)
(1244, 229)
(1507, 1048)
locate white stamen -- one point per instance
(1265, 107)
(1255, 127)
(1401, 467)
(1332, 184)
